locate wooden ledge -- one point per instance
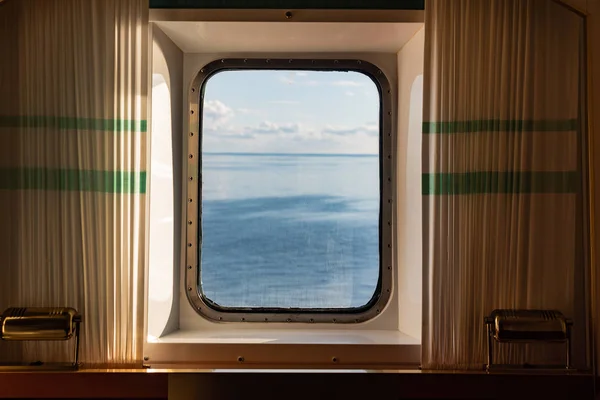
(289, 384)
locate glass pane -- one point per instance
(290, 189)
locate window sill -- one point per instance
(278, 348)
(290, 336)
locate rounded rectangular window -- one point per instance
(289, 217)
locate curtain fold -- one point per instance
(72, 170)
(502, 174)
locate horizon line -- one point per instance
(227, 153)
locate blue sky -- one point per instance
(264, 111)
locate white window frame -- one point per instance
(193, 237)
(175, 335)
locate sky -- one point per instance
(287, 111)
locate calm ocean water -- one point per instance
(282, 230)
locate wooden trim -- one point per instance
(576, 8)
(286, 4)
(271, 15)
(593, 84)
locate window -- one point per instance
(289, 191)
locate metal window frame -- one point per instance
(193, 237)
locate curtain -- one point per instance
(502, 175)
(72, 170)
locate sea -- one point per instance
(289, 230)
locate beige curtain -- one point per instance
(72, 170)
(502, 175)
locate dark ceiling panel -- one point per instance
(293, 4)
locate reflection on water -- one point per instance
(290, 230)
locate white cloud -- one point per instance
(223, 132)
(349, 93)
(249, 111)
(271, 128)
(365, 130)
(286, 79)
(226, 132)
(289, 102)
(270, 137)
(346, 83)
(262, 130)
(295, 131)
(370, 93)
(216, 114)
(290, 79)
(234, 134)
(217, 121)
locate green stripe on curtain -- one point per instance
(487, 182)
(40, 121)
(496, 125)
(72, 180)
